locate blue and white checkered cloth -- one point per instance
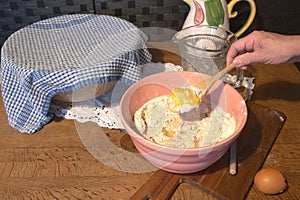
(63, 54)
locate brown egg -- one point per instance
(270, 181)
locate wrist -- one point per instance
(293, 48)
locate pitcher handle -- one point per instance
(251, 16)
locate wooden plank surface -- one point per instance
(55, 164)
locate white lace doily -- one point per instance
(104, 110)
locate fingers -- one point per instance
(264, 47)
(237, 58)
(240, 50)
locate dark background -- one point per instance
(282, 16)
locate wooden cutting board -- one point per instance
(253, 145)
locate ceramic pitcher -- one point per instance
(216, 13)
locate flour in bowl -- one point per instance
(202, 127)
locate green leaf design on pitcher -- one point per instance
(214, 12)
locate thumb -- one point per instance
(245, 59)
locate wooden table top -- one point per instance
(54, 163)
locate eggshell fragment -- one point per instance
(270, 181)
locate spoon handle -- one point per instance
(213, 79)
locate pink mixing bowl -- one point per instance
(174, 159)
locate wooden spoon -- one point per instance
(186, 99)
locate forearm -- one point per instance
(292, 48)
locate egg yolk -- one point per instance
(184, 96)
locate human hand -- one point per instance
(264, 47)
